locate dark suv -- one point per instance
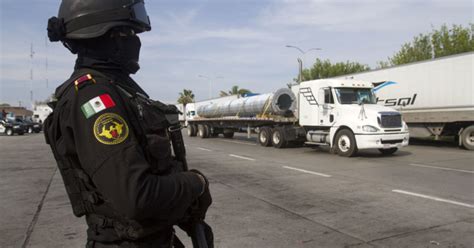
(29, 125)
(10, 127)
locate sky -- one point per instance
(227, 42)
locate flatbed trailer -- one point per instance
(227, 126)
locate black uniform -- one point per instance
(106, 133)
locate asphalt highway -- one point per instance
(422, 196)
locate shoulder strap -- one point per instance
(78, 76)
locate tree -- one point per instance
(418, 50)
(326, 69)
(442, 42)
(186, 97)
(235, 91)
(382, 64)
(452, 41)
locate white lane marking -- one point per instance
(239, 142)
(433, 198)
(307, 171)
(204, 149)
(241, 157)
(442, 168)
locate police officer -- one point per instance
(111, 142)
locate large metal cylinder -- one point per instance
(282, 102)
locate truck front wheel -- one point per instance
(345, 143)
(278, 138)
(467, 138)
(265, 136)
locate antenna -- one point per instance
(46, 61)
(32, 54)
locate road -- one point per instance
(423, 196)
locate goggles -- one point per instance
(134, 12)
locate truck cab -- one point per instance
(344, 115)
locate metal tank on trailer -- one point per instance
(282, 102)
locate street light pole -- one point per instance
(210, 83)
(300, 60)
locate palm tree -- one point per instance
(185, 97)
(235, 91)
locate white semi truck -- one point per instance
(342, 114)
(435, 97)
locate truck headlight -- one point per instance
(368, 128)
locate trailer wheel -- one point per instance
(213, 132)
(208, 131)
(228, 135)
(203, 131)
(388, 151)
(345, 143)
(9, 131)
(467, 138)
(192, 130)
(278, 138)
(265, 136)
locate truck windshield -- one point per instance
(355, 96)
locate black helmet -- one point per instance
(85, 19)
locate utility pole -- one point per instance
(32, 53)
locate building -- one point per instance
(13, 111)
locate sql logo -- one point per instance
(403, 101)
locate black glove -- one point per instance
(199, 208)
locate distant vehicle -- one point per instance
(29, 125)
(341, 114)
(435, 97)
(10, 127)
(41, 112)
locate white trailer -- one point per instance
(435, 97)
(342, 114)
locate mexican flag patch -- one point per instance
(97, 104)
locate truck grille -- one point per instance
(390, 119)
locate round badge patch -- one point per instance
(110, 129)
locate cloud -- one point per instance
(191, 34)
(361, 15)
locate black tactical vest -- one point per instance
(150, 120)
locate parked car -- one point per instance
(29, 125)
(10, 127)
